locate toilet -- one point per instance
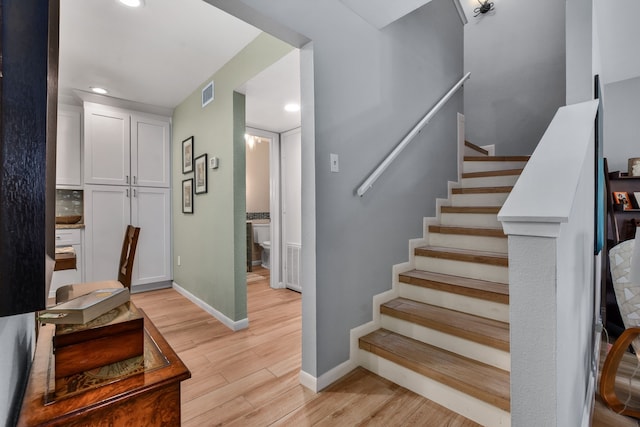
(261, 236)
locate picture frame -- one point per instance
(634, 167)
(622, 198)
(187, 155)
(637, 196)
(200, 180)
(187, 196)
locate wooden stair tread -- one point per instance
(471, 209)
(483, 257)
(482, 330)
(475, 147)
(484, 382)
(487, 174)
(481, 190)
(475, 288)
(467, 231)
(496, 158)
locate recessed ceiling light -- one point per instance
(100, 90)
(292, 108)
(132, 3)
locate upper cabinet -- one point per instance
(125, 148)
(150, 152)
(68, 151)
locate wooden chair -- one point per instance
(125, 270)
(628, 298)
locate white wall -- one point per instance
(621, 123)
(17, 335)
(619, 33)
(516, 56)
(258, 176)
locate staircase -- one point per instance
(445, 334)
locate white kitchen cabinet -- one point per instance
(150, 152)
(126, 148)
(107, 144)
(64, 238)
(151, 211)
(69, 143)
(108, 211)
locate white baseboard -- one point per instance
(308, 381)
(234, 325)
(325, 380)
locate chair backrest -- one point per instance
(627, 291)
(127, 256)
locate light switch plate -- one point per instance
(213, 162)
(335, 165)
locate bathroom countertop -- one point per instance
(259, 221)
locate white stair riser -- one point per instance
(463, 241)
(486, 166)
(473, 350)
(478, 307)
(491, 273)
(483, 199)
(454, 400)
(490, 181)
(468, 151)
(470, 220)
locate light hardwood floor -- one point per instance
(250, 377)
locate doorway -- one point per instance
(273, 191)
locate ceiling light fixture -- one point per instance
(292, 108)
(132, 3)
(100, 90)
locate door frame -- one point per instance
(275, 208)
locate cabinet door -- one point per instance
(150, 152)
(107, 213)
(68, 155)
(106, 140)
(150, 210)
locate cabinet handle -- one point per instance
(135, 193)
(127, 193)
(126, 179)
(135, 179)
(58, 237)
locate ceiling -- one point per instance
(160, 53)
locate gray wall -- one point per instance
(17, 335)
(621, 124)
(516, 56)
(370, 88)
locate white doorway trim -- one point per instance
(274, 204)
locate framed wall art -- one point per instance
(187, 196)
(201, 174)
(187, 155)
(621, 198)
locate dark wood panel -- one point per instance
(27, 152)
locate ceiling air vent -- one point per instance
(207, 94)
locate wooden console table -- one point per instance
(143, 391)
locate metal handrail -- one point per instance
(368, 183)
